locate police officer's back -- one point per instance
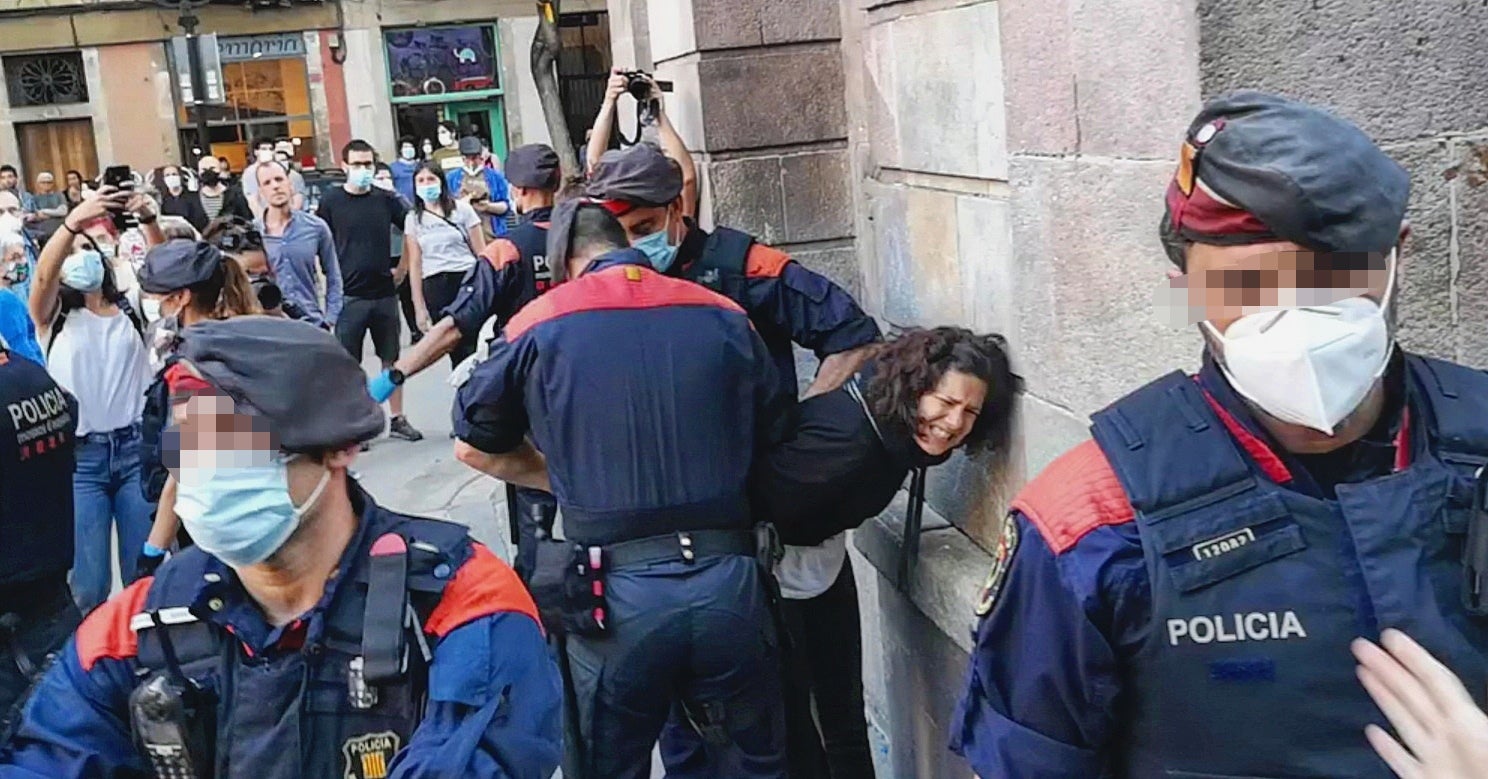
(645, 395)
(38, 420)
(787, 302)
(1201, 567)
(309, 632)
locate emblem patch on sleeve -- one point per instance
(368, 756)
(1002, 557)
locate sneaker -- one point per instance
(399, 428)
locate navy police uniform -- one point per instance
(512, 272)
(787, 302)
(38, 422)
(646, 394)
(1177, 596)
(423, 656)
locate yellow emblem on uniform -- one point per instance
(1002, 558)
(368, 756)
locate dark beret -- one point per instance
(534, 165)
(638, 176)
(178, 264)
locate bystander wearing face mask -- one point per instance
(83, 271)
(10, 223)
(1313, 365)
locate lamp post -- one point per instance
(188, 21)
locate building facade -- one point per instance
(93, 83)
(1000, 164)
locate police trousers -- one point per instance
(30, 636)
(699, 635)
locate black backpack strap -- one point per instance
(722, 267)
(172, 638)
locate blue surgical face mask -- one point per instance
(360, 178)
(407, 151)
(429, 193)
(83, 271)
(657, 247)
(241, 514)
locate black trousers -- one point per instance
(825, 668)
(29, 636)
(440, 291)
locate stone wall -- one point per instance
(1412, 75)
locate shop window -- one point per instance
(265, 98)
(583, 68)
(442, 60)
(54, 78)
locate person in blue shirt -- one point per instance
(310, 631)
(16, 326)
(403, 168)
(12, 221)
(1178, 596)
(297, 243)
(492, 198)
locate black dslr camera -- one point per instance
(638, 84)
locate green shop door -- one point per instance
(482, 118)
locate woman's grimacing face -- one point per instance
(949, 411)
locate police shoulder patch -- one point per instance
(1002, 557)
(368, 755)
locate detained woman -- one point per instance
(921, 397)
(442, 238)
(189, 281)
(96, 351)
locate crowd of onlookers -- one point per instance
(327, 247)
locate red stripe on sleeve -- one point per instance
(501, 253)
(483, 586)
(105, 632)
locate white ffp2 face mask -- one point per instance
(1308, 366)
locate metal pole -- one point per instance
(198, 107)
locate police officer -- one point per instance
(38, 420)
(310, 632)
(668, 599)
(787, 302)
(1178, 596)
(515, 271)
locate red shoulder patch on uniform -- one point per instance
(1076, 494)
(765, 262)
(483, 586)
(105, 632)
(1270, 464)
(501, 253)
(614, 288)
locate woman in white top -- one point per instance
(441, 238)
(95, 350)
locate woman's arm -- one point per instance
(163, 532)
(414, 256)
(47, 285)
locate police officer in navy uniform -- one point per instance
(1178, 596)
(38, 420)
(513, 272)
(787, 302)
(310, 632)
(645, 395)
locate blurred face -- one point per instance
(383, 179)
(74, 181)
(948, 412)
(208, 163)
(641, 222)
(263, 152)
(8, 179)
(274, 186)
(45, 183)
(473, 161)
(223, 166)
(171, 303)
(171, 175)
(10, 204)
(424, 178)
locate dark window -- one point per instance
(583, 69)
(441, 60)
(55, 78)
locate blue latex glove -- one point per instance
(381, 386)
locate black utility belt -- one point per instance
(569, 581)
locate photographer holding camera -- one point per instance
(647, 91)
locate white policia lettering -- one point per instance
(1254, 626)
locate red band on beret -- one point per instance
(1201, 214)
(617, 207)
(181, 380)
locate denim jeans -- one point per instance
(106, 492)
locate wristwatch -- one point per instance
(397, 377)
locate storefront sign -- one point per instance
(280, 46)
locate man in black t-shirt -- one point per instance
(38, 421)
(360, 215)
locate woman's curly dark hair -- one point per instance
(912, 364)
